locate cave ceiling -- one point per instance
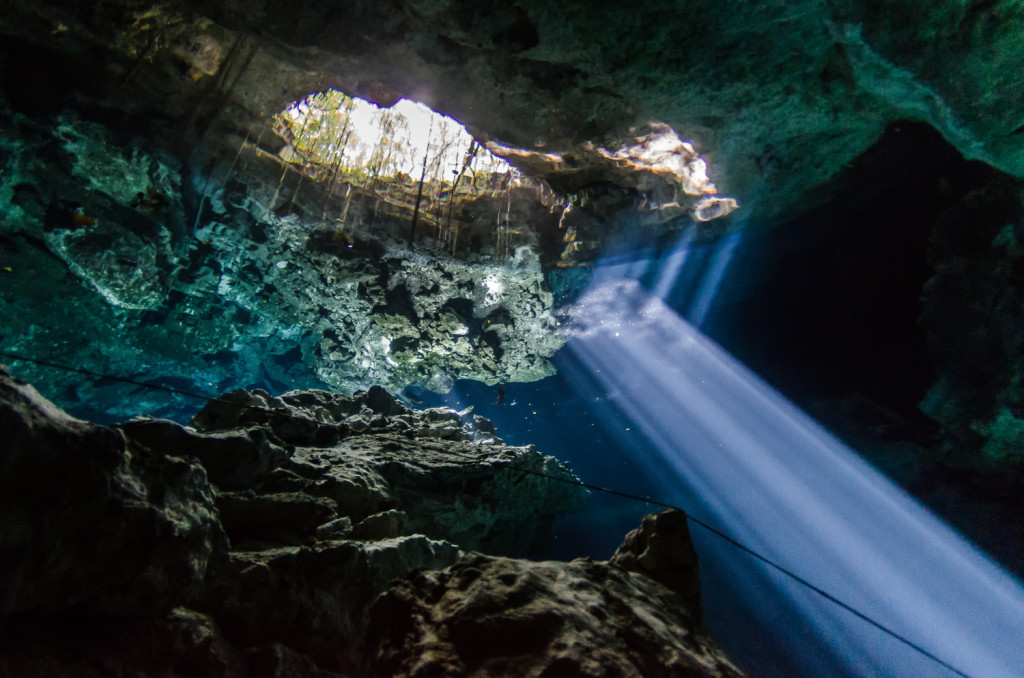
(150, 183)
(777, 96)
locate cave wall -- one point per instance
(120, 258)
(318, 535)
(778, 95)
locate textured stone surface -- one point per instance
(778, 94)
(225, 291)
(231, 460)
(115, 563)
(90, 524)
(368, 454)
(313, 599)
(661, 549)
(490, 616)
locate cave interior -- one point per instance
(423, 197)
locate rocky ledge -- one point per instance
(202, 283)
(315, 534)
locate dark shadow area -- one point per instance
(826, 306)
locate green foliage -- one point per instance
(337, 136)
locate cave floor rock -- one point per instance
(317, 534)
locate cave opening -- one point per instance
(413, 164)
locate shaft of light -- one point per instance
(742, 458)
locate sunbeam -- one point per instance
(742, 458)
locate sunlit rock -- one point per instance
(372, 458)
(491, 616)
(245, 292)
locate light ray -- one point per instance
(743, 458)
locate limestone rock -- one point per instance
(116, 564)
(232, 461)
(279, 517)
(351, 451)
(313, 598)
(778, 94)
(384, 525)
(661, 549)
(240, 295)
(90, 524)
(497, 616)
(339, 528)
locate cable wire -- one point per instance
(596, 488)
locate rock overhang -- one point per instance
(777, 96)
(772, 101)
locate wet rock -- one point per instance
(116, 561)
(213, 292)
(232, 460)
(356, 488)
(385, 525)
(661, 549)
(91, 524)
(498, 616)
(421, 462)
(314, 599)
(280, 518)
(339, 528)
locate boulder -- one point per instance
(661, 549)
(385, 525)
(499, 616)
(92, 524)
(314, 599)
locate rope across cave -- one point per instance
(596, 488)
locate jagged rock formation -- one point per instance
(489, 616)
(368, 458)
(244, 296)
(661, 549)
(121, 556)
(127, 531)
(778, 94)
(177, 245)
